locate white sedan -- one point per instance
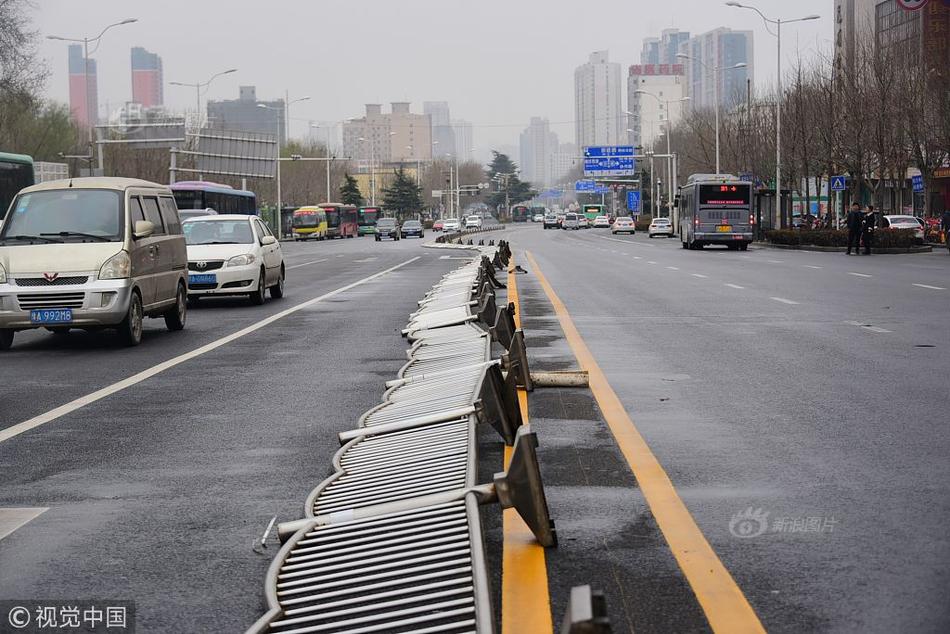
(451, 224)
(601, 222)
(233, 254)
(904, 222)
(660, 227)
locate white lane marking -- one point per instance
(859, 274)
(297, 266)
(82, 401)
(784, 301)
(811, 266)
(673, 268)
(372, 259)
(699, 275)
(650, 262)
(639, 244)
(13, 518)
(933, 288)
(735, 286)
(775, 261)
(868, 327)
(637, 257)
(341, 255)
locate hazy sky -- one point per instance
(496, 62)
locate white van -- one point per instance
(92, 253)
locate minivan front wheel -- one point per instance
(6, 338)
(130, 330)
(175, 316)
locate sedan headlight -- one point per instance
(242, 260)
(117, 267)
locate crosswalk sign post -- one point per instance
(839, 183)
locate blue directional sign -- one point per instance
(611, 166)
(839, 183)
(918, 182)
(584, 186)
(606, 151)
(633, 201)
(601, 189)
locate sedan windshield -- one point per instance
(218, 232)
(386, 222)
(412, 224)
(66, 215)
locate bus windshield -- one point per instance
(311, 219)
(333, 217)
(368, 216)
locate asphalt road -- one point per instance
(809, 387)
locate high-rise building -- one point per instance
(648, 116)
(83, 87)
(650, 53)
(712, 57)
(464, 143)
(537, 146)
(443, 137)
(598, 102)
(147, 81)
(244, 115)
(670, 40)
(563, 161)
(393, 137)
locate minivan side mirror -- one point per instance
(142, 229)
(268, 240)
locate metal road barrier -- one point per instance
(392, 540)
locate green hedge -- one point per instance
(883, 238)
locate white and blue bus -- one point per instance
(716, 209)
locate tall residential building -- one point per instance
(721, 49)
(393, 137)
(650, 53)
(598, 102)
(648, 116)
(147, 81)
(443, 137)
(244, 114)
(563, 161)
(669, 47)
(464, 144)
(537, 146)
(83, 87)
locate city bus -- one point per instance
(309, 223)
(520, 213)
(224, 199)
(16, 172)
(366, 220)
(715, 209)
(591, 211)
(342, 220)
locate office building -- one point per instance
(537, 145)
(650, 53)
(464, 144)
(648, 116)
(443, 136)
(83, 87)
(147, 81)
(722, 49)
(669, 46)
(393, 137)
(244, 114)
(598, 102)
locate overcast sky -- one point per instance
(496, 62)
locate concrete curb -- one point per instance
(874, 250)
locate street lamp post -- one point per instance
(717, 71)
(669, 133)
(778, 97)
(279, 219)
(198, 86)
(91, 119)
(329, 130)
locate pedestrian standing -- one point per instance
(867, 230)
(945, 225)
(855, 223)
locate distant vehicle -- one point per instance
(118, 240)
(601, 222)
(185, 214)
(412, 228)
(437, 225)
(222, 198)
(309, 223)
(716, 209)
(451, 224)
(341, 220)
(623, 224)
(16, 172)
(904, 222)
(538, 218)
(582, 222)
(473, 222)
(592, 211)
(387, 228)
(550, 221)
(520, 213)
(570, 221)
(233, 254)
(366, 218)
(660, 227)
(537, 213)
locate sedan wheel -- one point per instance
(277, 290)
(257, 297)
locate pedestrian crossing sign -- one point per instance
(838, 183)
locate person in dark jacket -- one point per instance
(855, 223)
(945, 225)
(867, 229)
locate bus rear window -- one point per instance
(724, 194)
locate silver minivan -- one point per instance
(92, 253)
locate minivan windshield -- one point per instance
(65, 215)
(217, 232)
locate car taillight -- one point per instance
(751, 219)
(696, 221)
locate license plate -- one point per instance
(724, 228)
(207, 278)
(51, 315)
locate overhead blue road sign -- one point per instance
(839, 183)
(633, 201)
(918, 182)
(613, 166)
(584, 186)
(604, 151)
(601, 189)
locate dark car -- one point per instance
(387, 228)
(412, 228)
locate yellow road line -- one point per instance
(525, 603)
(724, 604)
